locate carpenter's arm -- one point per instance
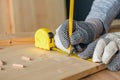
(104, 11)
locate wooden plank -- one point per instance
(5, 40)
(22, 15)
(4, 17)
(68, 68)
(50, 14)
(22, 38)
(29, 15)
(17, 39)
(115, 26)
(46, 65)
(104, 75)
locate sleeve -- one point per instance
(105, 11)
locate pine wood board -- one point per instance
(29, 15)
(46, 65)
(115, 26)
(104, 75)
(4, 17)
(17, 39)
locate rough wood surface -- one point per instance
(46, 65)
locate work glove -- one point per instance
(106, 49)
(83, 34)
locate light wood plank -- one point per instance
(104, 75)
(46, 65)
(29, 15)
(4, 17)
(17, 39)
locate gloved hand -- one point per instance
(105, 50)
(83, 34)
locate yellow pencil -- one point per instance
(70, 28)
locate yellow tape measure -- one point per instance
(44, 39)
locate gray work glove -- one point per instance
(83, 34)
(106, 50)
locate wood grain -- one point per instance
(4, 17)
(46, 65)
(50, 14)
(16, 39)
(29, 15)
(104, 75)
(115, 26)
